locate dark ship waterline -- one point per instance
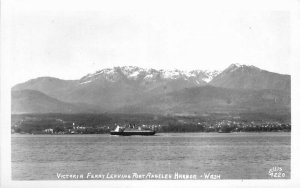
(131, 131)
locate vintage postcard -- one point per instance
(149, 93)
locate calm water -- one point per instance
(231, 155)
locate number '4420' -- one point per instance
(277, 175)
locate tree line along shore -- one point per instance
(104, 123)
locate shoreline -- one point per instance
(157, 134)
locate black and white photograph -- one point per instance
(127, 93)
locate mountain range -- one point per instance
(130, 89)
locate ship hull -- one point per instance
(131, 133)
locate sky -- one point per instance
(68, 43)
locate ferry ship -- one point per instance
(131, 131)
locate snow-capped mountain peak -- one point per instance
(241, 67)
(134, 73)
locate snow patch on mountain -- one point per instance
(210, 75)
(149, 77)
(134, 74)
(171, 74)
(86, 82)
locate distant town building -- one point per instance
(48, 131)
